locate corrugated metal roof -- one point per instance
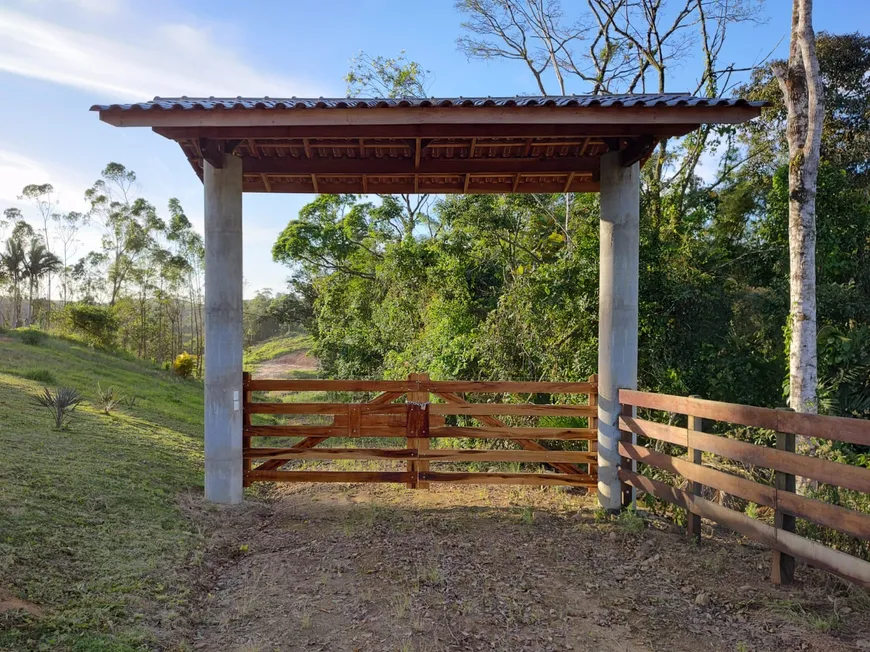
(273, 103)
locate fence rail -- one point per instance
(418, 421)
(786, 463)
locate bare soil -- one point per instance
(368, 568)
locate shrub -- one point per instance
(62, 403)
(97, 325)
(43, 376)
(31, 336)
(107, 399)
(184, 364)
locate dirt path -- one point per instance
(371, 569)
(286, 364)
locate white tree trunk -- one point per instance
(801, 86)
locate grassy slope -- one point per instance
(90, 528)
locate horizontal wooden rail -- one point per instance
(518, 409)
(834, 473)
(435, 455)
(814, 553)
(504, 387)
(324, 431)
(329, 476)
(564, 479)
(492, 432)
(853, 431)
(845, 520)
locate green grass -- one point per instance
(275, 348)
(90, 525)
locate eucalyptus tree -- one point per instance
(45, 202)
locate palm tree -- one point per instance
(39, 262)
(13, 261)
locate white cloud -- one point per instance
(18, 170)
(123, 57)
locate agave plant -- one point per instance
(61, 403)
(107, 399)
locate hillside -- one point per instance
(91, 527)
(282, 357)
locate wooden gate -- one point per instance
(420, 422)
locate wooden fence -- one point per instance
(420, 421)
(783, 459)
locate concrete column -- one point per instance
(617, 312)
(223, 331)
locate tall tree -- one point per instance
(43, 199)
(803, 92)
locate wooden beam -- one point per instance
(471, 147)
(433, 167)
(418, 152)
(406, 185)
(429, 115)
(405, 131)
(639, 150)
(314, 183)
(307, 147)
(569, 181)
(212, 151)
(266, 183)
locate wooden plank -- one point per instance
(653, 430)
(695, 457)
(528, 444)
(508, 387)
(576, 116)
(731, 412)
(856, 524)
(332, 454)
(486, 432)
(593, 402)
(842, 475)
(420, 430)
(299, 408)
(526, 409)
(403, 454)
(247, 396)
(494, 455)
(319, 385)
(564, 479)
(329, 476)
(295, 431)
(853, 431)
(352, 132)
(814, 553)
(782, 565)
(286, 165)
(732, 484)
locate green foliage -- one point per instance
(184, 365)
(31, 336)
(107, 399)
(97, 325)
(61, 402)
(385, 77)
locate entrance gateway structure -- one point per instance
(437, 146)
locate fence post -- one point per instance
(693, 521)
(247, 395)
(415, 467)
(626, 490)
(593, 424)
(782, 571)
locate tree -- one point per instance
(43, 199)
(386, 77)
(38, 262)
(801, 84)
(13, 262)
(68, 225)
(127, 223)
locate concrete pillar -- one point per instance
(223, 331)
(617, 312)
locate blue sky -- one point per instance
(57, 57)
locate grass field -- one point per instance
(91, 532)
